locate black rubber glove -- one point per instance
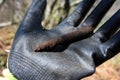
(79, 59)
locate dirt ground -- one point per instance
(110, 70)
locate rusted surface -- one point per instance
(65, 40)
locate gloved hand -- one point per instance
(79, 59)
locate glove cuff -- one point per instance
(23, 68)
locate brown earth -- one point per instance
(110, 70)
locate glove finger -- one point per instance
(109, 28)
(79, 13)
(83, 32)
(97, 14)
(109, 49)
(33, 16)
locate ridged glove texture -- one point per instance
(64, 62)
